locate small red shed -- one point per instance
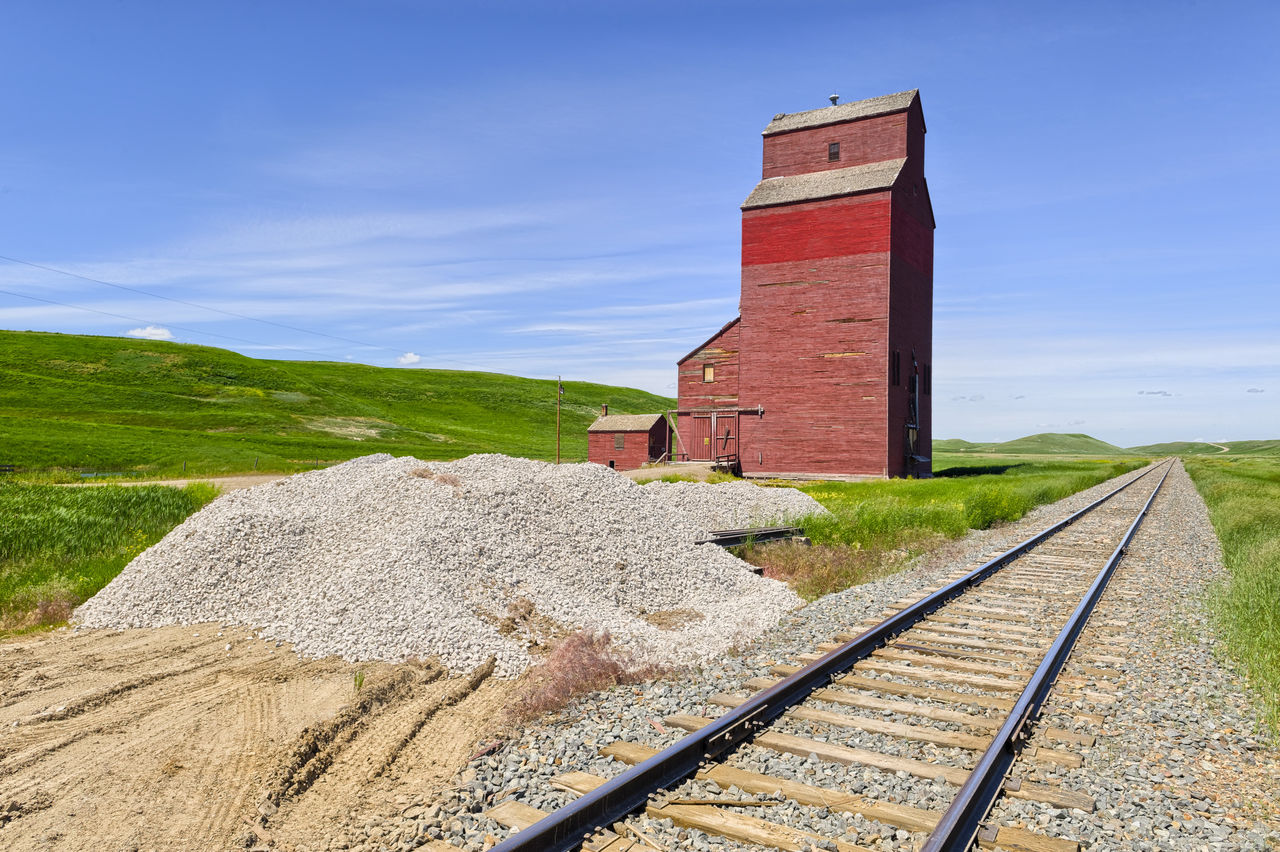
(626, 441)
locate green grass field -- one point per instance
(145, 407)
(1243, 496)
(874, 526)
(59, 546)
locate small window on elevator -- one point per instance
(708, 373)
(619, 441)
(833, 151)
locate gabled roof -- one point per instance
(625, 423)
(831, 183)
(730, 324)
(883, 105)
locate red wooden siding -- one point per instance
(871, 140)
(638, 448)
(817, 229)
(830, 289)
(814, 337)
(720, 352)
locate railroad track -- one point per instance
(953, 688)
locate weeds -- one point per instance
(59, 546)
(1243, 497)
(713, 478)
(581, 663)
(874, 527)
(443, 478)
(358, 681)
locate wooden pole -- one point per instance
(559, 393)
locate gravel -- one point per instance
(1180, 711)
(384, 558)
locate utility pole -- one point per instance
(559, 393)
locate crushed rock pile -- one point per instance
(384, 558)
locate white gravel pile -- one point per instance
(733, 505)
(367, 560)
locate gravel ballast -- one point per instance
(1177, 763)
(384, 558)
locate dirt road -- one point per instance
(170, 739)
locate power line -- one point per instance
(202, 307)
(191, 304)
(152, 322)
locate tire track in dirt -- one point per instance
(159, 739)
(189, 739)
(412, 751)
(320, 745)
(424, 714)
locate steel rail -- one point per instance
(566, 828)
(962, 821)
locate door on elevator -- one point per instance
(700, 448)
(725, 429)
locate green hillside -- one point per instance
(1076, 444)
(1046, 443)
(1180, 448)
(121, 404)
(1253, 448)
(1054, 443)
(956, 445)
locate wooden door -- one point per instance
(725, 431)
(700, 448)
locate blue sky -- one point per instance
(545, 188)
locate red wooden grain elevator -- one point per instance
(827, 370)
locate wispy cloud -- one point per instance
(408, 358)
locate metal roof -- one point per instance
(831, 183)
(883, 105)
(624, 423)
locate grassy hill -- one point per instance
(136, 405)
(1054, 443)
(1180, 448)
(1045, 443)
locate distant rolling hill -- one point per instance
(1055, 443)
(1180, 448)
(1046, 443)
(122, 404)
(1199, 448)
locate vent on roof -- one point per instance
(835, 99)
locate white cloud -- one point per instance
(408, 358)
(151, 332)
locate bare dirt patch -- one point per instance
(672, 619)
(168, 739)
(356, 428)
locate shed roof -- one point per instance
(883, 105)
(831, 183)
(624, 423)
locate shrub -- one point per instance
(581, 663)
(874, 527)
